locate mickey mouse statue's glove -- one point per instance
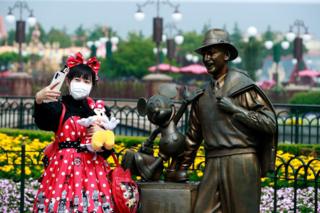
(147, 147)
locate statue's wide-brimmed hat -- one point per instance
(218, 37)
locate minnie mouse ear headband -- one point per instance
(93, 63)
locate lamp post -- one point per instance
(20, 25)
(93, 46)
(192, 58)
(111, 44)
(277, 48)
(107, 43)
(297, 40)
(172, 41)
(158, 21)
(251, 53)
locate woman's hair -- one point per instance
(82, 70)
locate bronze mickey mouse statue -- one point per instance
(161, 111)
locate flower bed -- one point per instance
(10, 197)
(10, 154)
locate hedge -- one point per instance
(48, 136)
(128, 141)
(312, 97)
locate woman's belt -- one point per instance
(72, 144)
(77, 145)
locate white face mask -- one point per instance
(79, 90)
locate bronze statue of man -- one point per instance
(237, 124)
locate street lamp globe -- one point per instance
(114, 40)
(164, 51)
(139, 15)
(268, 44)
(164, 37)
(195, 59)
(306, 37)
(176, 15)
(155, 50)
(10, 17)
(89, 44)
(179, 39)
(252, 31)
(294, 61)
(285, 45)
(97, 43)
(103, 40)
(189, 57)
(32, 20)
(290, 36)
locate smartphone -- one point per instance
(58, 79)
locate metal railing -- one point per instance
(299, 177)
(296, 123)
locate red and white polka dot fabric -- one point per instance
(74, 181)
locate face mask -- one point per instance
(79, 90)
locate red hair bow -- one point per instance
(93, 62)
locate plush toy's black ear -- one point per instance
(142, 106)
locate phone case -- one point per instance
(58, 78)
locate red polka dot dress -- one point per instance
(75, 179)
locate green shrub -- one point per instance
(301, 149)
(31, 134)
(128, 141)
(306, 98)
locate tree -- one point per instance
(236, 35)
(59, 36)
(81, 36)
(43, 35)
(132, 58)
(8, 58)
(206, 27)
(192, 40)
(97, 33)
(11, 37)
(252, 57)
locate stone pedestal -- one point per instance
(16, 84)
(160, 197)
(154, 81)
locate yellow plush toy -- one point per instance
(101, 138)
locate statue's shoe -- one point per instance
(149, 167)
(177, 176)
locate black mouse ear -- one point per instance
(142, 106)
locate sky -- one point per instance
(118, 14)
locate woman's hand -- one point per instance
(92, 129)
(47, 93)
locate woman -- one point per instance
(75, 179)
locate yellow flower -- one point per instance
(199, 173)
(7, 168)
(28, 171)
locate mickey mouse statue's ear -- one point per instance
(142, 106)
